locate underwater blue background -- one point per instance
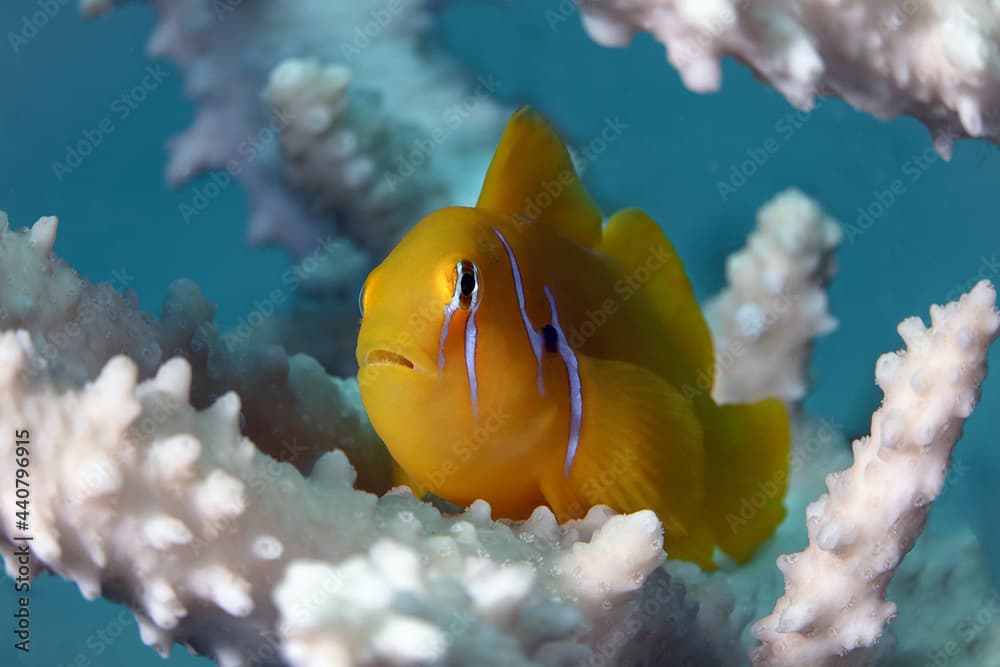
(117, 215)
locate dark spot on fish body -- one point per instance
(551, 338)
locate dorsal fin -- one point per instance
(644, 251)
(532, 176)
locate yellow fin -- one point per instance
(532, 176)
(653, 268)
(747, 449)
(640, 448)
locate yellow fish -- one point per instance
(520, 353)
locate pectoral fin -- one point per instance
(640, 448)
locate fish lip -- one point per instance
(384, 357)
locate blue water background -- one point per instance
(116, 214)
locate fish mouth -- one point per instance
(382, 357)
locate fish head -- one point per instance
(459, 368)
(441, 340)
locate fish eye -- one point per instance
(467, 285)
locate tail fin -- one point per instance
(747, 449)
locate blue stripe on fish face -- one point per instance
(449, 310)
(575, 384)
(534, 338)
(470, 361)
(469, 302)
(554, 340)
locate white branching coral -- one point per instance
(143, 499)
(150, 490)
(339, 121)
(316, 156)
(833, 611)
(292, 409)
(170, 509)
(936, 61)
(775, 305)
(327, 131)
(948, 606)
(76, 326)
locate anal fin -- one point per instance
(747, 450)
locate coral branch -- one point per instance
(76, 326)
(765, 321)
(938, 62)
(153, 494)
(833, 611)
(362, 163)
(141, 498)
(144, 499)
(343, 153)
(293, 410)
(341, 124)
